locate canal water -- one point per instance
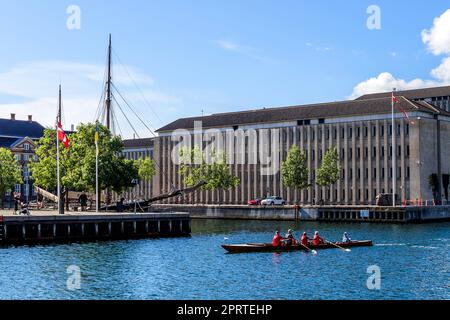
(413, 261)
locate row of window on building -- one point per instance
(360, 131)
(26, 157)
(358, 153)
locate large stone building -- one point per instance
(21, 136)
(360, 130)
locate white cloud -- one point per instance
(35, 85)
(437, 39)
(318, 48)
(386, 82)
(442, 73)
(228, 45)
(249, 52)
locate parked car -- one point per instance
(254, 202)
(273, 201)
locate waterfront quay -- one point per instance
(374, 214)
(41, 227)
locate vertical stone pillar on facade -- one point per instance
(361, 169)
(334, 135)
(347, 166)
(354, 160)
(378, 157)
(403, 190)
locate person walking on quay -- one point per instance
(119, 207)
(16, 202)
(83, 198)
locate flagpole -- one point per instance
(394, 151)
(58, 119)
(97, 200)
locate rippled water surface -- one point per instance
(413, 259)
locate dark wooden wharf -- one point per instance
(76, 227)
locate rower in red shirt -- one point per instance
(304, 240)
(276, 242)
(317, 239)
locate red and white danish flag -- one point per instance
(397, 103)
(62, 136)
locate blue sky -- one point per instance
(215, 56)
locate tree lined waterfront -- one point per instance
(10, 173)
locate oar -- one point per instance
(314, 252)
(334, 244)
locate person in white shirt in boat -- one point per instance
(289, 240)
(346, 238)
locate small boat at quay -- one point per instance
(267, 247)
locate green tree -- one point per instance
(77, 163)
(146, 168)
(328, 173)
(294, 171)
(211, 175)
(10, 173)
(43, 171)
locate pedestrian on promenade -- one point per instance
(16, 202)
(83, 198)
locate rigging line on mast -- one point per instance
(132, 110)
(99, 111)
(128, 120)
(136, 85)
(154, 160)
(146, 101)
(113, 113)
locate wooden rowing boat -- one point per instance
(267, 247)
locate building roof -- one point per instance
(7, 142)
(138, 143)
(412, 94)
(313, 111)
(21, 128)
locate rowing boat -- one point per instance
(267, 247)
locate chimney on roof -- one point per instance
(13, 116)
(30, 118)
(134, 136)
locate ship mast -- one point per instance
(108, 87)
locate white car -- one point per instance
(273, 201)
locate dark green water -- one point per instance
(413, 260)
